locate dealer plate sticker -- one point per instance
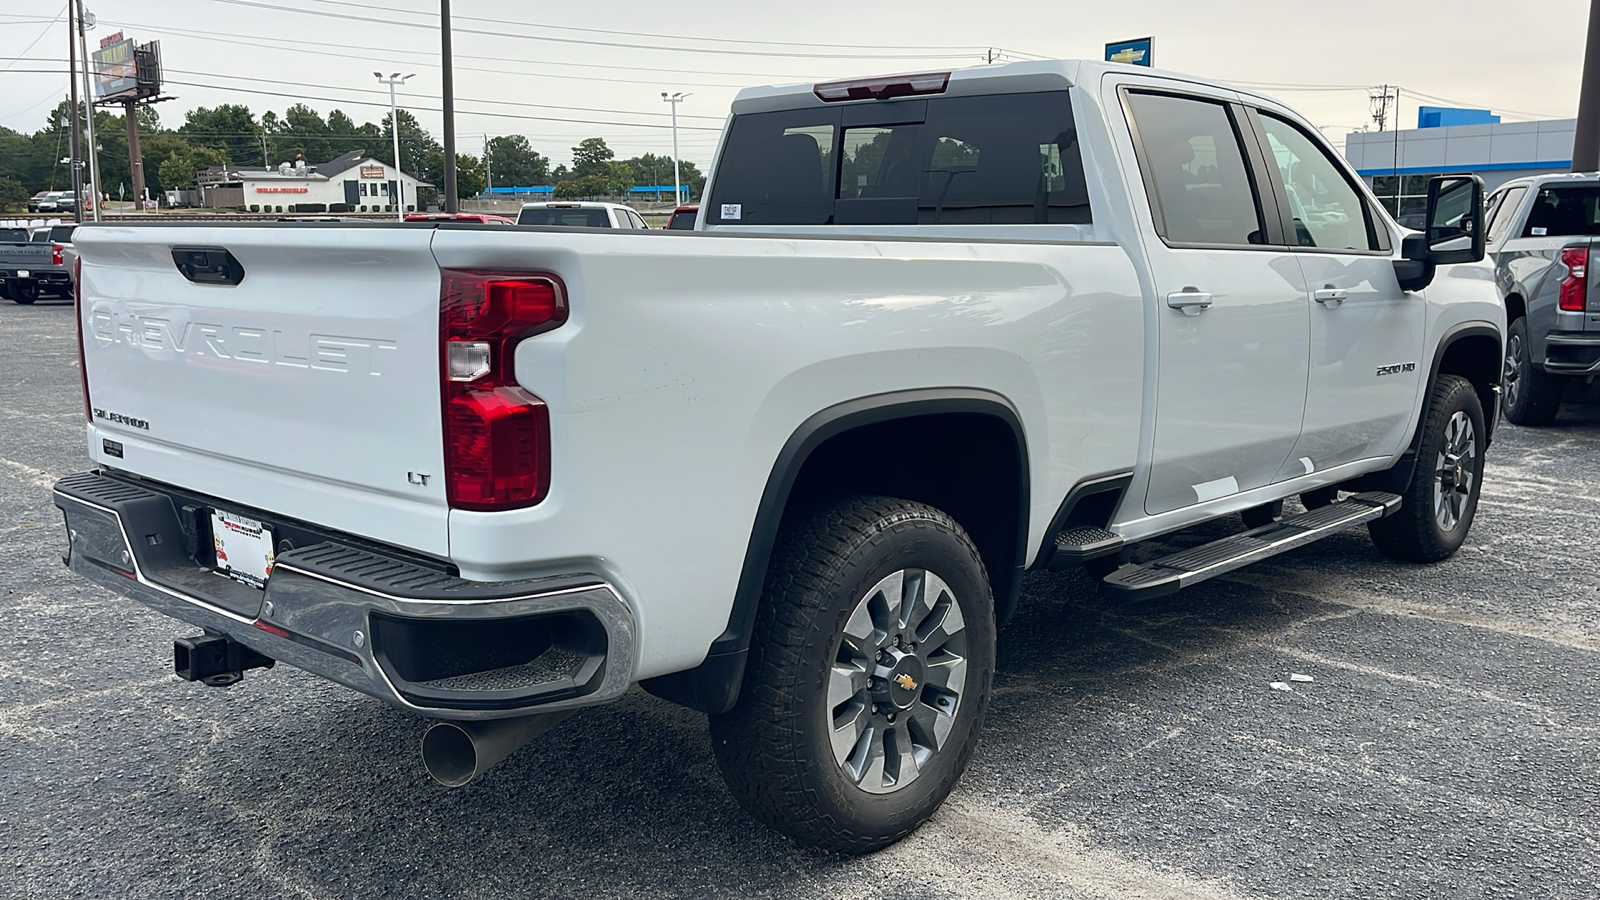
(244, 548)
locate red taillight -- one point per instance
(1574, 295)
(882, 88)
(496, 435)
(77, 306)
(55, 255)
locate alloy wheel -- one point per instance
(897, 680)
(1455, 472)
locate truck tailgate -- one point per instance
(310, 389)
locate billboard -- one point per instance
(114, 71)
(124, 70)
(1137, 52)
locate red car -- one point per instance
(683, 217)
(480, 218)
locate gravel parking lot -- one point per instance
(1447, 747)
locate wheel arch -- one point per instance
(992, 505)
(1516, 307)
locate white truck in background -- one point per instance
(788, 468)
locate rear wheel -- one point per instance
(1437, 509)
(1532, 395)
(868, 676)
(23, 292)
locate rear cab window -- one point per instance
(572, 217)
(1000, 159)
(1568, 210)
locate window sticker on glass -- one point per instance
(732, 210)
(1536, 231)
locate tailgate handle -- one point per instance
(207, 265)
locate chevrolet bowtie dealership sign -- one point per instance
(1137, 52)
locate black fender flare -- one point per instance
(713, 686)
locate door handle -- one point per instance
(1192, 301)
(1330, 297)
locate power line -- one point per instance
(619, 112)
(430, 58)
(578, 41)
(413, 106)
(645, 34)
(38, 39)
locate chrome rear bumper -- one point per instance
(402, 631)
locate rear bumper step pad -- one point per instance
(1179, 570)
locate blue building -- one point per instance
(1398, 163)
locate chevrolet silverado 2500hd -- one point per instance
(787, 468)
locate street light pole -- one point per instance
(77, 128)
(88, 104)
(394, 129)
(452, 203)
(677, 184)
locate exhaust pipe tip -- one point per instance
(454, 753)
(449, 754)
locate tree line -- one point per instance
(231, 134)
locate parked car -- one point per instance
(36, 199)
(581, 215)
(480, 218)
(683, 217)
(46, 201)
(30, 269)
(788, 470)
(1541, 236)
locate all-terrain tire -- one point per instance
(1436, 511)
(1532, 395)
(776, 747)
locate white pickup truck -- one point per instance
(788, 468)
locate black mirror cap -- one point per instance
(1469, 225)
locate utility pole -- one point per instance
(72, 79)
(88, 102)
(1379, 102)
(452, 203)
(1586, 142)
(677, 184)
(394, 129)
(488, 169)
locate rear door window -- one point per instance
(1193, 162)
(998, 159)
(1564, 211)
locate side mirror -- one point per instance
(1453, 234)
(1455, 219)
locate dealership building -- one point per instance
(354, 179)
(1398, 164)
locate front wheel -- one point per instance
(868, 677)
(1436, 511)
(1532, 395)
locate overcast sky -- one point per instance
(523, 67)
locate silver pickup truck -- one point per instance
(36, 264)
(1541, 232)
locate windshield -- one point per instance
(13, 235)
(577, 218)
(1563, 211)
(682, 219)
